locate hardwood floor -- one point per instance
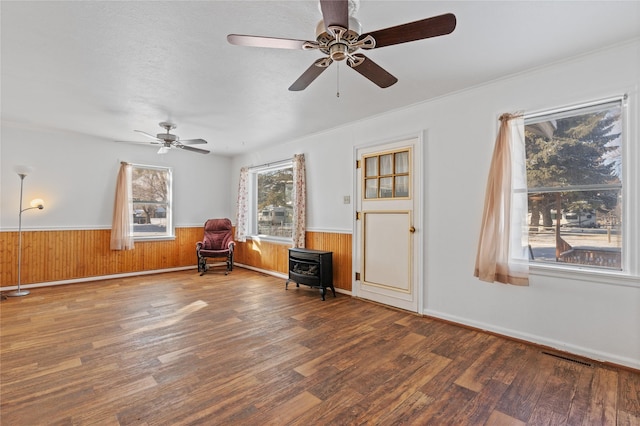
(177, 348)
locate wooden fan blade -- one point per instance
(272, 42)
(374, 72)
(310, 74)
(190, 148)
(149, 135)
(335, 12)
(412, 31)
(192, 141)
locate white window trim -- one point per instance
(252, 219)
(171, 233)
(615, 278)
(629, 276)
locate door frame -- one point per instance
(417, 142)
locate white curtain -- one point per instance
(242, 207)
(122, 225)
(299, 201)
(502, 248)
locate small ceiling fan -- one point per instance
(339, 36)
(168, 140)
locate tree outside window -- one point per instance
(274, 212)
(151, 200)
(574, 179)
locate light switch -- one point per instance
(347, 199)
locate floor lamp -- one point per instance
(35, 204)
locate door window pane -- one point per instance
(402, 186)
(402, 162)
(386, 187)
(371, 166)
(386, 164)
(371, 189)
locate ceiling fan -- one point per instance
(168, 140)
(339, 37)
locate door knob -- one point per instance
(412, 229)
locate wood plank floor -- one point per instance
(180, 349)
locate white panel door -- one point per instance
(386, 243)
(387, 250)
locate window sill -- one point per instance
(161, 238)
(616, 278)
(270, 239)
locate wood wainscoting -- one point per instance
(273, 256)
(49, 256)
(61, 255)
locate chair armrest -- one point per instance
(231, 246)
(199, 245)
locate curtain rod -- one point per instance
(274, 163)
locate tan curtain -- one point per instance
(122, 226)
(299, 201)
(503, 241)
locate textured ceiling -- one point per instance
(105, 68)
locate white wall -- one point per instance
(596, 316)
(76, 175)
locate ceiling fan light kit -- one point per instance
(339, 36)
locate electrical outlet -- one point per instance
(347, 199)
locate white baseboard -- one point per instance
(97, 278)
(264, 271)
(540, 340)
(281, 275)
(157, 271)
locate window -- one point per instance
(272, 189)
(387, 175)
(574, 161)
(151, 202)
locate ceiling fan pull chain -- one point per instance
(338, 80)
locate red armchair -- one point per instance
(217, 243)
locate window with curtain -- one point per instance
(272, 201)
(151, 193)
(575, 186)
(273, 214)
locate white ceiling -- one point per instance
(105, 68)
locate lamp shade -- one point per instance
(38, 202)
(23, 170)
